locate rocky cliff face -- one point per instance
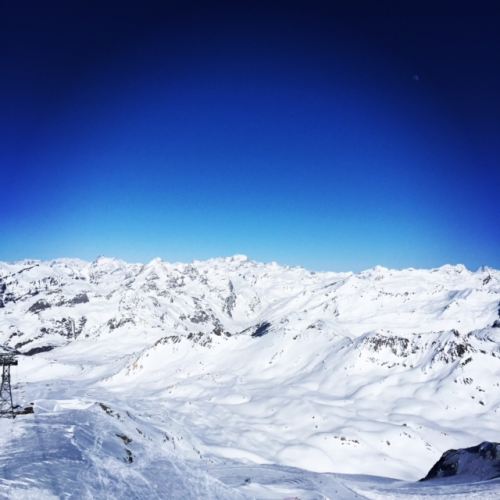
(481, 462)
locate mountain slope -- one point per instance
(242, 362)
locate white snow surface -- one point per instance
(235, 379)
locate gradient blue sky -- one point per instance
(312, 133)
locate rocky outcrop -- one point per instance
(38, 306)
(481, 462)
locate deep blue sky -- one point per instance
(332, 135)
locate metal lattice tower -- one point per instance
(6, 405)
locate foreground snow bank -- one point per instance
(79, 449)
(96, 453)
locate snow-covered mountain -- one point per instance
(231, 363)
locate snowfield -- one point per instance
(236, 379)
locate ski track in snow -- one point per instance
(236, 379)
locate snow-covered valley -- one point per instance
(236, 379)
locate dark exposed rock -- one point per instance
(496, 323)
(399, 346)
(16, 334)
(81, 298)
(130, 457)
(262, 329)
(220, 331)
(466, 361)
(172, 339)
(9, 297)
(200, 317)
(451, 350)
(26, 411)
(37, 350)
(124, 438)
(230, 301)
(460, 350)
(39, 305)
(114, 323)
(81, 325)
(27, 268)
(106, 408)
(109, 411)
(481, 461)
(22, 344)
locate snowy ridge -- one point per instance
(241, 363)
(70, 298)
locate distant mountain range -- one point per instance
(376, 373)
(48, 304)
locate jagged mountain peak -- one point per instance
(375, 271)
(102, 261)
(454, 269)
(155, 261)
